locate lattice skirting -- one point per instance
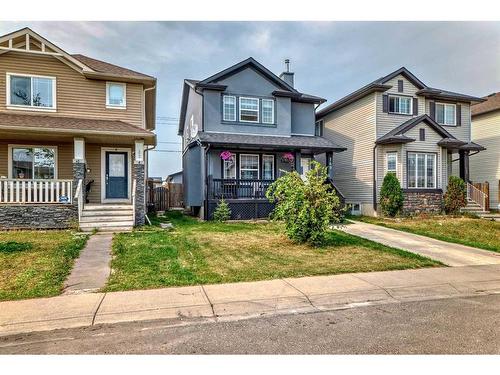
(244, 209)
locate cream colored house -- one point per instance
(73, 137)
(398, 124)
(485, 167)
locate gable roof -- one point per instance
(381, 85)
(491, 103)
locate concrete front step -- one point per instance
(125, 228)
(106, 219)
(108, 207)
(107, 213)
(118, 223)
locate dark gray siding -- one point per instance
(303, 118)
(193, 176)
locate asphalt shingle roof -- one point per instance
(492, 103)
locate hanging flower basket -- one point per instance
(287, 157)
(227, 155)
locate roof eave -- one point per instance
(121, 78)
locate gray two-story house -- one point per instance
(397, 124)
(241, 129)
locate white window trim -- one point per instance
(444, 113)
(9, 158)
(425, 171)
(9, 105)
(400, 96)
(247, 169)
(395, 153)
(115, 106)
(272, 158)
(224, 108)
(224, 170)
(351, 206)
(258, 109)
(272, 111)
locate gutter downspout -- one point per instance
(375, 178)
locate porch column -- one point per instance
(140, 178)
(79, 168)
(297, 162)
(464, 165)
(329, 164)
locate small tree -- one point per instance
(222, 212)
(391, 195)
(456, 195)
(306, 207)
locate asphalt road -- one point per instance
(460, 325)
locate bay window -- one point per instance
(38, 163)
(249, 109)
(268, 167)
(249, 166)
(422, 170)
(445, 114)
(400, 105)
(229, 108)
(28, 91)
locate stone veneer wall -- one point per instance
(140, 206)
(419, 201)
(38, 216)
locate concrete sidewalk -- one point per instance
(448, 253)
(184, 305)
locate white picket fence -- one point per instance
(36, 191)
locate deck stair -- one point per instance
(107, 218)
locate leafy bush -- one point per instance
(222, 212)
(456, 195)
(391, 195)
(306, 207)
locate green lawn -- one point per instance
(36, 263)
(480, 233)
(207, 252)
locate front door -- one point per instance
(116, 175)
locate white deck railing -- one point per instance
(476, 195)
(79, 198)
(35, 191)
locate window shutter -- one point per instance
(432, 110)
(385, 103)
(400, 85)
(422, 134)
(415, 107)
(459, 115)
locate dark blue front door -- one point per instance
(116, 175)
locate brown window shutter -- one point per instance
(400, 85)
(385, 103)
(459, 115)
(432, 110)
(415, 107)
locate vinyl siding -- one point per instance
(485, 166)
(462, 132)
(353, 127)
(76, 95)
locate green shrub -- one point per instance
(306, 207)
(222, 212)
(391, 195)
(456, 195)
(12, 246)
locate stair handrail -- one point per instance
(79, 198)
(476, 195)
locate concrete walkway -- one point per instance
(448, 253)
(91, 270)
(192, 304)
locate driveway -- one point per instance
(448, 253)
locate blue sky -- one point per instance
(330, 59)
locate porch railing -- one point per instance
(79, 198)
(476, 195)
(36, 191)
(238, 188)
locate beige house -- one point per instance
(74, 132)
(397, 124)
(485, 167)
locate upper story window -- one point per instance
(318, 128)
(229, 108)
(445, 113)
(249, 109)
(268, 111)
(392, 162)
(116, 95)
(31, 92)
(400, 105)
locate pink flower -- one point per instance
(226, 155)
(287, 157)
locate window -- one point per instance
(445, 114)
(354, 208)
(249, 109)
(33, 162)
(116, 94)
(392, 162)
(421, 170)
(249, 166)
(400, 104)
(229, 169)
(318, 128)
(229, 108)
(268, 111)
(268, 167)
(31, 91)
